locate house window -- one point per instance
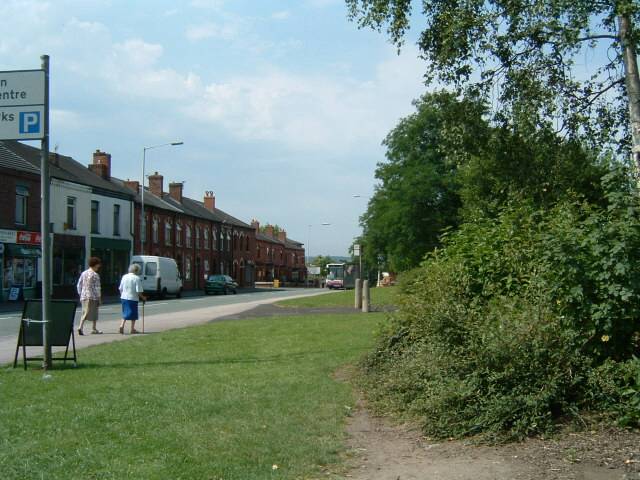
(258, 250)
(95, 216)
(71, 213)
(155, 228)
(116, 220)
(197, 237)
(188, 236)
(187, 266)
(143, 229)
(178, 235)
(215, 239)
(206, 239)
(22, 194)
(167, 232)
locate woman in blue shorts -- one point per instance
(131, 293)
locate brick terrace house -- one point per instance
(90, 216)
(203, 239)
(278, 257)
(19, 223)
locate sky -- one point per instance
(282, 105)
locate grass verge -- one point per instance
(225, 400)
(379, 297)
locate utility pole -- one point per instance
(45, 226)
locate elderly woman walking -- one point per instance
(90, 293)
(130, 293)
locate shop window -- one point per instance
(95, 216)
(71, 213)
(116, 220)
(68, 263)
(178, 234)
(188, 232)
(206, 239)
(22, 196)
(19, 271)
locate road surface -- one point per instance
(160, 315)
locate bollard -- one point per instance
(358, 302)
(366, 296)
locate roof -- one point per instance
(149, 198)
(12, 161)
(68, 169)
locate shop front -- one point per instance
(19, 254)
(115, 255)
(68, 263)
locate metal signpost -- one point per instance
(24, 115)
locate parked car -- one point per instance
(159, 275)
(220, 284)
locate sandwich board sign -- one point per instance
(22, 105)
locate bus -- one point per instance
(341, 275)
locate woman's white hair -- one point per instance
(134, 268)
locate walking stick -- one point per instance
(143, 302)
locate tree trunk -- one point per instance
(632, 82)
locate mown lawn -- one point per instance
(225, 400)
(381, 296)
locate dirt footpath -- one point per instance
(379, 450)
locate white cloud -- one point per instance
(93, 28)
(281, 15)
(210, 30)
(311, 112)
(208, 4)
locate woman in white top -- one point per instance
(130, 293)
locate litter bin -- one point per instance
(276, 283)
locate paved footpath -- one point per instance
(160, 315)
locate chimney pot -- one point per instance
(210, 201)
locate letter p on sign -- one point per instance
(29, 122)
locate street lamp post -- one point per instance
(143, 226)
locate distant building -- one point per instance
(278, 257)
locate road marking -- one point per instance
(10, 318)
(157, 304)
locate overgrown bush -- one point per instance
(511, 324)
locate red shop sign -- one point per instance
(29, 238)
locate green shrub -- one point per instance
(515, 322)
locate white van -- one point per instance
(160, 275)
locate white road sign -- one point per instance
(356, 250)
(22, 105)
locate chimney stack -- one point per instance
(256, 225)
(101, 164)
(282, 236)
(209, 201)
(156, 184)
(133, 185)
(268, 230)
(175, 190)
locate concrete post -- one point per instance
(366, 296)
(358, 299)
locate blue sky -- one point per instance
(282, 105)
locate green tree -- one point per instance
(446, 164)
(322, 261)
(523, 53)
(417, 197)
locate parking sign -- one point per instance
(22, 105)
